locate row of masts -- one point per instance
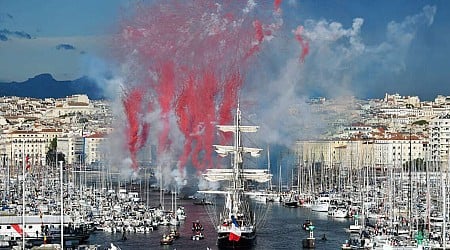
(400, 190)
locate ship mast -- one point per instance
(236, 175)
(237, 165)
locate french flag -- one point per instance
(235, 233)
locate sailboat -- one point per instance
(237, 223)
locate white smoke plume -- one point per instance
(337, 66)
(339, 60)
(206, 185)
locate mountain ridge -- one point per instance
(45, 86)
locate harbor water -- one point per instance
(282, 230)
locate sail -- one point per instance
(258, 175)
(232, 128)
(254, 152)
(225, 150)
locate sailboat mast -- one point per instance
(161, 194)
(279, 179)
(268, 168)
(23, 194)
(237, 162)
(62, 201)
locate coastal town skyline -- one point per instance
(70, 119)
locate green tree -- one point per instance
(51, 153)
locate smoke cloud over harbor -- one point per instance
(185, 64)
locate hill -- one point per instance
(45, 86)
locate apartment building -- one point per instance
(440, 138)
(356, 153)
(18, 144)
(95, 148)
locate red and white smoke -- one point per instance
(193, 57)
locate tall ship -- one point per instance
(236, 222)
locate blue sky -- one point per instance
(53, 36)
(381, 46)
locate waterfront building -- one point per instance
(95, 148)
(19, 144)
(440, 138)
(72, 146)
(395, 151)
(335, 160)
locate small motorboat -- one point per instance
(291, 203)
(197, 228)
(174, 234)
(114, 247)
(166, 240)
(198, 236)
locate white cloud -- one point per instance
(339, 55)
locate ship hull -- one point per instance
(246, 241)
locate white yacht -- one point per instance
(321, 204)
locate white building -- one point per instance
(77, 104)
(440, 138)
(94, 148)
(72, 146)
(394, 151)
(19, 144)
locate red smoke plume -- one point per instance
(132, 106)
(196, 54)
(305, 45)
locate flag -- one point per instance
(27, 161)
(235, 233)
